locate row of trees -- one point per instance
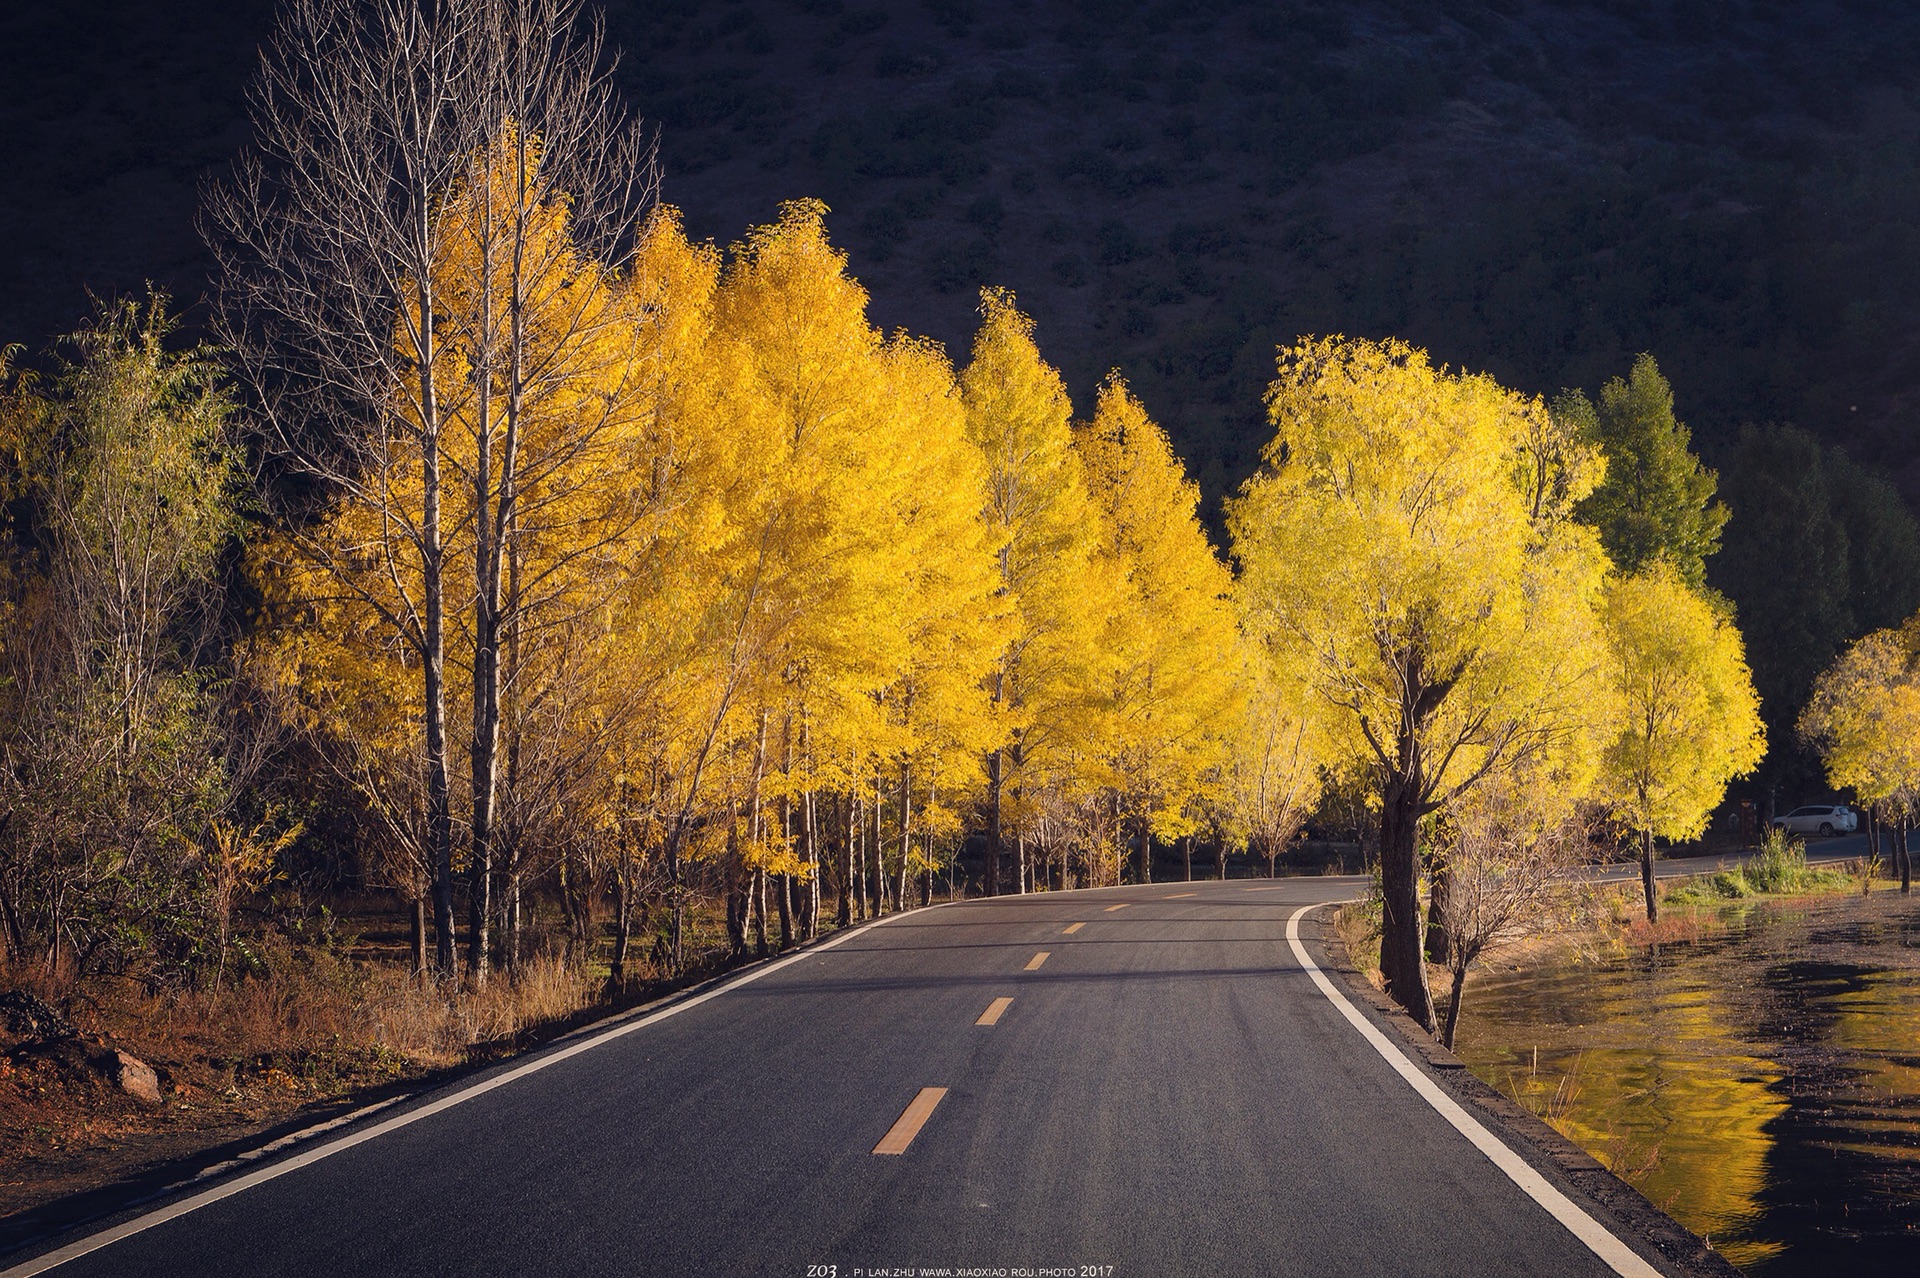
(581, 557)
(779, 601)
(579, 561)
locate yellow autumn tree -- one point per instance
(1271, 778)
(1395, 545)
(953, 618)
(1165, 698)
(1864, 719)
(1019, 418)
(494, 538)
(1688, 717)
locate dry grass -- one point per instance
(312, 1027)
(1358, 926)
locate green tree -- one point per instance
(112, 770)
(1818, 551)
(1656, 502)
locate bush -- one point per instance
(1780, 866)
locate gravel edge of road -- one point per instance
(1618, 1205)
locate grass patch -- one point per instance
(1778, 868)
(1358, 926)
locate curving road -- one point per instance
(1168, 1091)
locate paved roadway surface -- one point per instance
(1844, 847)
(1168, 1092)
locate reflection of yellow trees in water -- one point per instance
(1666, 1095)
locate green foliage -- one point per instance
(1816, 552)
(1656, 502)
(1779, 868)
(115, 769)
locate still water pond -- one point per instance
(1762, 1085)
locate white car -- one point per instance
(1819, 818)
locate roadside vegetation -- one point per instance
(1536, 909)
(522, 607)
(1779, 868)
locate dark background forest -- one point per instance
(1537, 190)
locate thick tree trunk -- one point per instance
(1646, 876)
(1143, 853)
(1186, 846)
(1401, 962)
(1220, 855)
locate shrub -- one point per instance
(1780, 865)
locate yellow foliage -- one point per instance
(1864, 717)
(1164, 705)
(1397, 545)
(1688, 717)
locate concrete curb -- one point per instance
(1619, 1205)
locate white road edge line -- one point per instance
(142, 1223)
(1622, 1259)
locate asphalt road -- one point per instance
(1168, 1092)
(1820, 851)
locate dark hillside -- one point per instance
(1539, 190)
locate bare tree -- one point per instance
(335, 241)
(1506, 860)
(567, 178)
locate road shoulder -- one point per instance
(1615, 1204)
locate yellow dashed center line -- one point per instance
(1123, 905)
(908, 1125)
(1072, 928)
(1181, 896)
(994, 1009)
(1037, 960)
